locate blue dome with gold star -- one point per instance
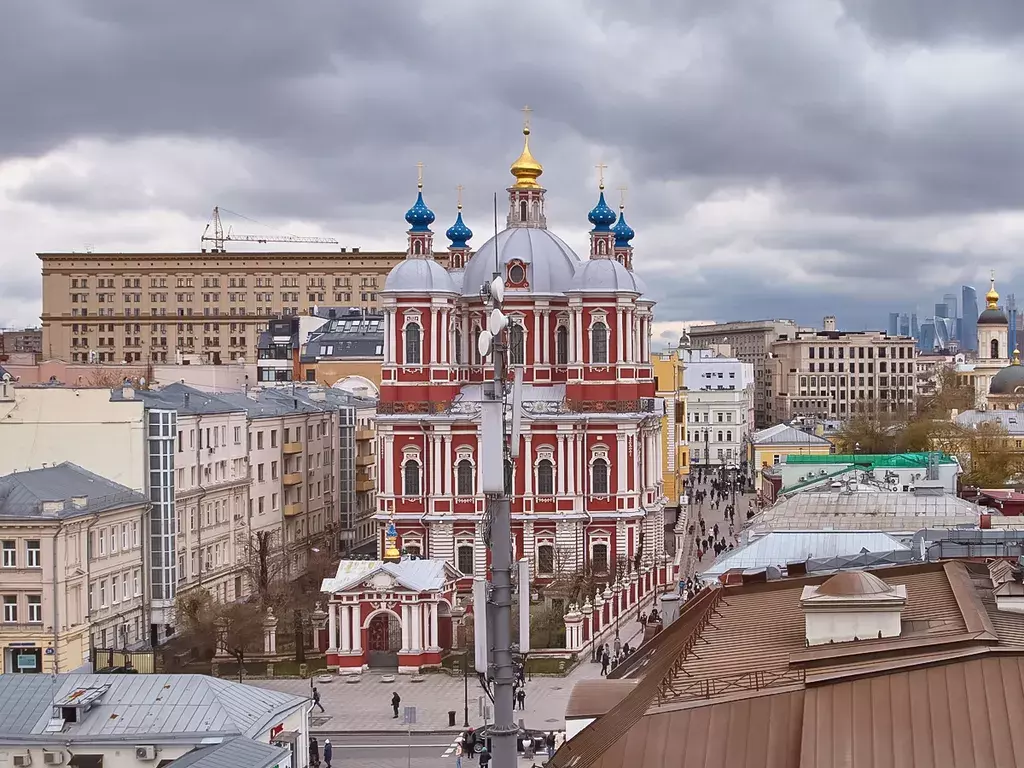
(459, 233)
(602, 216)
(623, 232)
(419, 216)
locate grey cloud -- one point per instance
(928, 20)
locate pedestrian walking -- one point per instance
(549, 743)
(316, 700)
(314, 752)
(396, 701)
(521, 697)
(485, 757)
(469, 740)
(458, 752)
(605, 658)
(328, 752)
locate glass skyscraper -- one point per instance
(969, 302)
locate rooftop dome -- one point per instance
(604, 276)
(458, 232)
(601, 215)
(526, 169)
(993, 316)
(419, 217)
(550, 263)
(623, 232)
(419, 276)
(854, 583)
(1009, 380)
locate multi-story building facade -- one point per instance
(28, 341)
(587, 486)
(152, 307)
(72, 573)
(719, 407)
(832, 374)
(675, 447)
(751, 342)
(217, 469)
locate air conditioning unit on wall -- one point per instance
(145, 753)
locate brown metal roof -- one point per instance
(734, 685)
(593, 698)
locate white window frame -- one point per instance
(412, 454)
(413, 317)
(459, 545)
(461, 456)
(545, 542)
(520, 322)
(545, 453)
(10, 610)
(599, 451)
(37, 604)
(10, 554)
(596, 317)
(599, 539)
(34, 555)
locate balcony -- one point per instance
(362, 486)
(292, 478)
(365, 460)
(365, 434)
(291, 510)
(290, 449)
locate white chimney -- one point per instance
(830, 322)
(852, 605)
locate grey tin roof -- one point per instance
(783, 434)
(24, 494)
(235, 753)
(186, 400)
(155, 708)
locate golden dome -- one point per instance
(526, 169)
(992, 297)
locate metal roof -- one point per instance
(234, 753)
(783, 434)
(779, 548)
(154, 707)
(882, 460)
(186, 400)
(1011, 421)
(48, 493)
(414, 575)
(892, 512)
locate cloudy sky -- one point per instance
(784, 158)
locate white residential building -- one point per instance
(719, 406)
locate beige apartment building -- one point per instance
(156, 307)
(72, 571)
(833, 374)
(749, 342)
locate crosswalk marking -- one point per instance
(451, 748)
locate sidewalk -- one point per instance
(365, 706)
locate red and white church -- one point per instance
(587, 486)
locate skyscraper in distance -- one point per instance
(893, 328)
(969, 303)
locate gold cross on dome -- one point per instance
(600, 171)
(622, 196)
(459, 188)
(419, 174)
(526, 118)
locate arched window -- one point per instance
(411, 478)
(522, 210)
(416, 247)
(413, 549)
(516, 344)
(464, 479)
(458, 347)
(994, 347)
(719, 435)
(599, 558)
(546, 559)
(476, 346)
(413, 344)
(545, 478)
(599, 482)
(509, 478)
(599, 344)
(562, 345)
(728, 437)
(465, 558)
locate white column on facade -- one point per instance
(446, 464)
(393, 333)
(405, 628)
(623, 463)
(332, 627)
(538, 336)
(389, 464)
(560, 466)
(629, 336)
(578, 315)
(346, 621)
(431, 338)
(357, 629)
(387, 336)
(417, 626)
(636, 463)
(645, 329)
(582, 465)
(436, 466)
(435, 641)
(546, 354)
(620, 333)
(528, 469)
(570, 465)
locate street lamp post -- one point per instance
(465, 686)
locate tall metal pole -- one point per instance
(504, 731)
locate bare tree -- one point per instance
(205, 626)
(263, 564)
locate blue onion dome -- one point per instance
(602, 217)
(419, 216)
(623, 232)
(459, 233)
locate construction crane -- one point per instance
(219, 236)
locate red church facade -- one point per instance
(586, 489)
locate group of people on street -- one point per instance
(314, 752)
(611, 657)
(469, 745)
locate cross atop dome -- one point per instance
(526, 195)
(526, 169)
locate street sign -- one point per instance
(409, 716)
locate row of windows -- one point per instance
(465, 557)
(517, 344)
(696, 436)
(117, 588)
(33, 556)
(860, 352)
(465, 478)
(34, 603)
(105, 541)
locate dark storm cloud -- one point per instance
(318, 111)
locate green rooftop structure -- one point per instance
(875, 460)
